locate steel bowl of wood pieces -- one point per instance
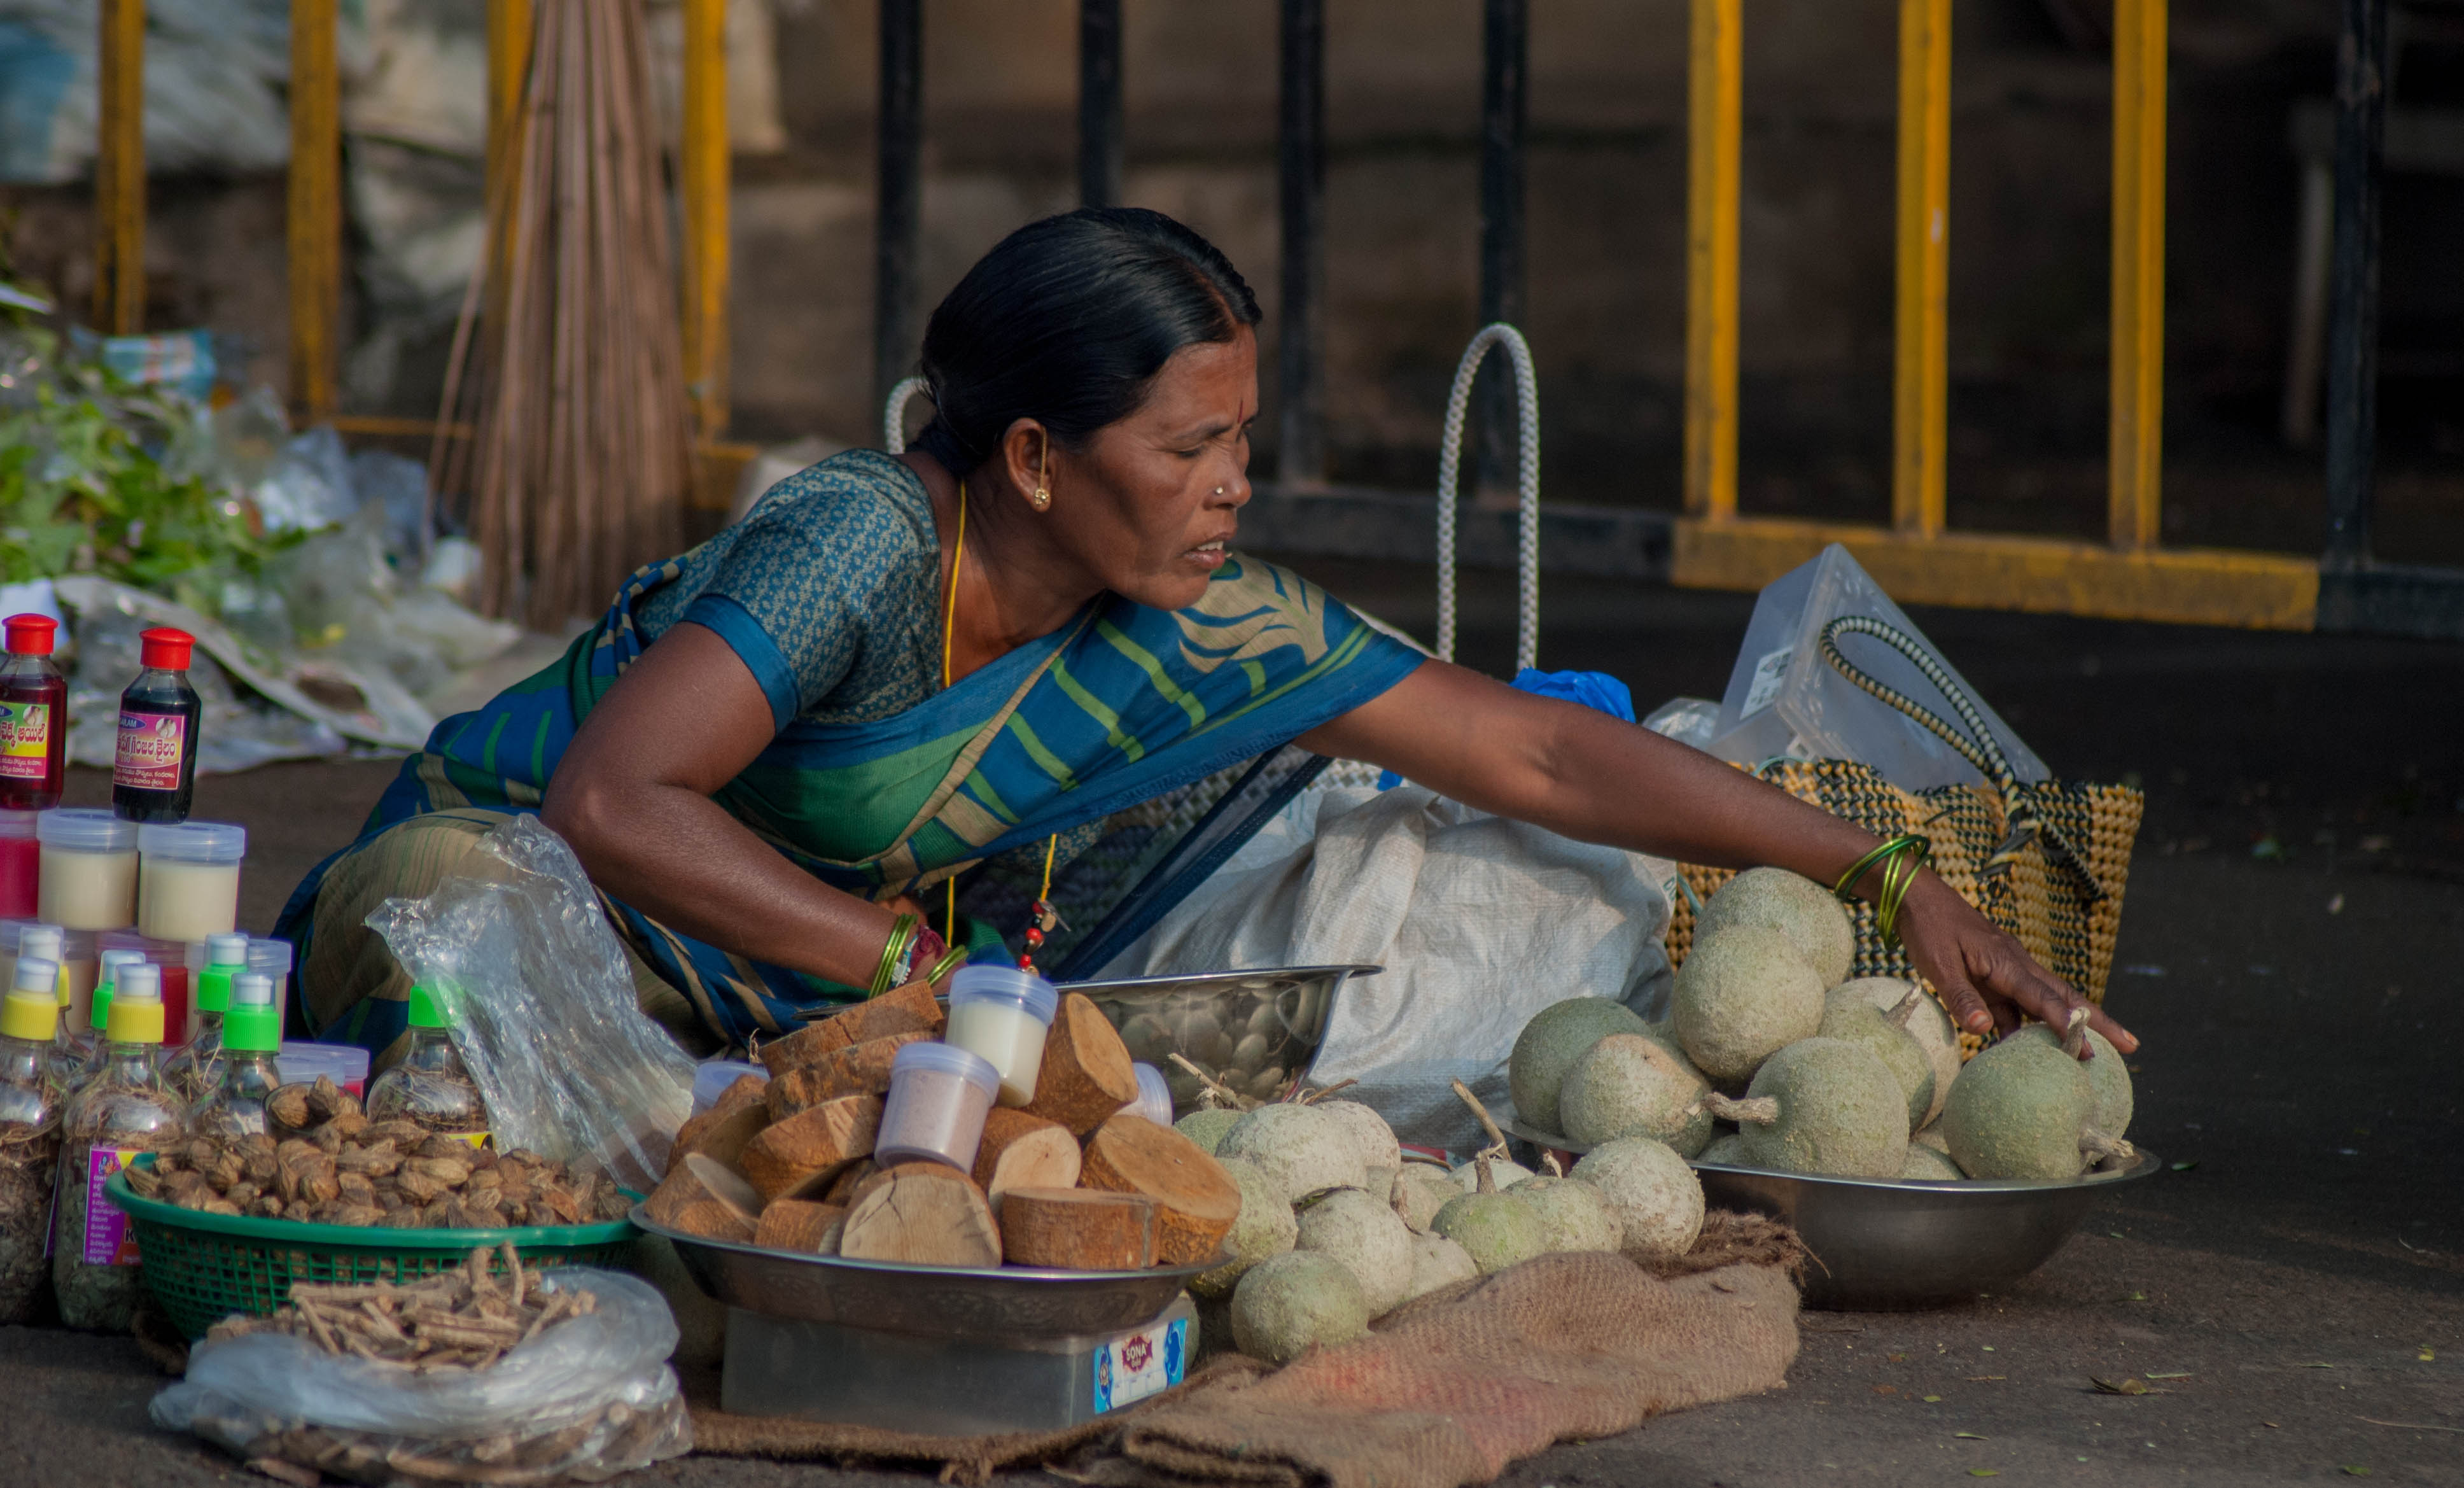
(1254, 1031)
(991, 1303)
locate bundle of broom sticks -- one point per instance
(567, 362)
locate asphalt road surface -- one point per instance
(2290, 1290)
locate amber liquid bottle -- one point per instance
(154, 766)
(33, 718)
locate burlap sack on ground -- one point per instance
(1448, 1391)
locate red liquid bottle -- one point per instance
(33, 718)
(154, 766)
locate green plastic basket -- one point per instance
(204, 1267)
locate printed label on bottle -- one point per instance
(148, 754)
(25, 740)
(108, 1239)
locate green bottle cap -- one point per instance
(253, 1023)
(428, 1006)
(215, 990)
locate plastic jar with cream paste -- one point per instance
(187, 882)
(89, 873)
(1001, 1015)
(939, 1095)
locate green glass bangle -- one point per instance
(951, 959)
(893, 951)
(1902, 859)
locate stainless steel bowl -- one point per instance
(1254, 1031)
(1006, 1304)
(1887, 1244)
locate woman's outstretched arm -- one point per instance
(1586, 775)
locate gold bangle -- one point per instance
(1902, 859)
(902, 935)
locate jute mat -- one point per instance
(1446, 1392)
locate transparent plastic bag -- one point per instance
(1786, 700)
(544, 1007)
(588, 1399)
(1690, 721)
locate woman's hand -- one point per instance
(1985, 976)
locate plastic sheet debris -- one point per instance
(544, 1014)
(1785, 700)
(1690, 721)
(590, 1397)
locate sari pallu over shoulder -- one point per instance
(1119, 705)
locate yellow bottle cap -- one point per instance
(31, 1016)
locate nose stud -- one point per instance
(1219, 490)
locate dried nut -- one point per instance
(177, 1187)
(242, 1194)
(417, 1185)
(356, 1188)
(439, 1145)
(400, 1133)
(358, 1215)
(228, 1169)
(197, 1198)
(485, 1178)
(166, 1162)
(146, 1182)
(432, 1217)
(452, 1173)
(328, 1139)
(289, 1106)
(350, 1124)
(201, 1152)
(612, 1205)
(294, 1147)
(219, 1207)
(268, 1206)
(560, 1203)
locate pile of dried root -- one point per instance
(465, 1318)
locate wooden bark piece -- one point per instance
(1078, 1229)
(924, 1214)
(1196, 1198)
(906, 1009)
(856, 1069)
(1085, 1075)
(862, 1188)
(1023, 1151)
(703, 1197)
(807, 1149)
(720, 1137)
(797, 1225)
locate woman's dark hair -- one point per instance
(1066, 322)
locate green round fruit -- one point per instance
(2108, 1076)
(1655, 1197)
(1207, 1127)
(1923, 1164)
(1496, 1229)
(1419, 1190)
(1847, 1015)
(1368, 1237)
(1438, 1261)
(1840, 1112)
(1810, 915)
(1741, 997)
(1929, 1025)
(1291, 1303)
(1304, 1149)
(1548, 1047)
(1636, 1086)
(1265, 1227)
(1577, 1215)
(2017, 1109)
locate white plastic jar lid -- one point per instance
(923, 1057)
(215, 842)
(19, 824)
(1007, 985)
(86, 829)
(1154, 1094)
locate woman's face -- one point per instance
(1149, 503)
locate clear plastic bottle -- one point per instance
(124, 1110)
(29, 1133)
(251, 1036)
(430, 1084)
(98, 1049)
(71, 1057)
(195, 1069)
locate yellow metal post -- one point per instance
(509, 63)
(315, 208)
(1920, 371)
(120, 170)
(1715, 94)
(705, 174)
(2137, 429)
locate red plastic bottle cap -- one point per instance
(166, 648)
(32, 635)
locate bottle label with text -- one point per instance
(149, 751)
(25, 740)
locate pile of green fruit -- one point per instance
(1337, 1229)
(1772, 1058)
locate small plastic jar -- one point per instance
(1154, 1094)
(89, 869)
(271, 958)
(21, 865)
(1001, 1015)
(938, 1096)
(187, 882)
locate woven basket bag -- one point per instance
(2047, 861)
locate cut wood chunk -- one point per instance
(807, 1149)
(906, 1009)
(720, 1137)
(1023, 1151)
(856, 1069)
(746, 1090)
(703, 1197)
(1197, 1199)
(1078, 1229)
(797, 1225)
(842, 1188)
(875, 1177)
(1086, 1074)
(924, 1214)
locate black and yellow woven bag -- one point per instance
(2047, 861)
